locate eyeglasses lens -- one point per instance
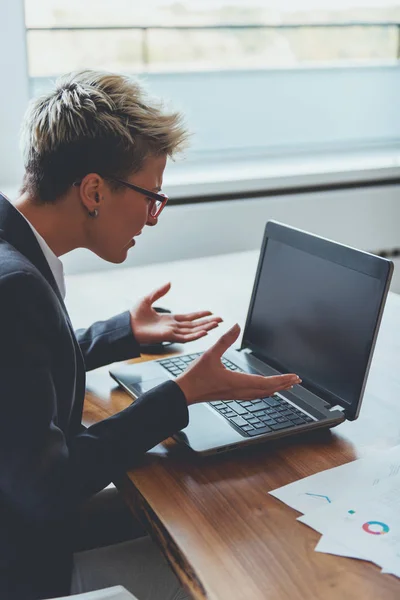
(155, 207)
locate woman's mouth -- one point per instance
(133, 241)
(130, 244)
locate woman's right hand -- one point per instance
(207, 379)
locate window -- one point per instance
(250, 125)
(170, 35)
(254, 78)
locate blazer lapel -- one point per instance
(15, 230)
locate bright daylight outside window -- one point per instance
(165, 35)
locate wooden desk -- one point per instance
(225, 536)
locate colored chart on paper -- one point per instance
(319, 496)
(376, 527)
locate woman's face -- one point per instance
(123, 214)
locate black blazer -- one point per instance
(49, 463)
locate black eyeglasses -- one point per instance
(158, 200)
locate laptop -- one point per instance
(315, 311)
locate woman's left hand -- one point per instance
(151, 327)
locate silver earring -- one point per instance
(94, 213)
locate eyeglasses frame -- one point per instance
(158, 197)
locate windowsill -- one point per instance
(40, 81)
(262, 173)
(255, 173)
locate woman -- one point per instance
(95, 150)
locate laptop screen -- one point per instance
(315, 310)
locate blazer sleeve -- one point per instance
(108, 341)
(43, 474)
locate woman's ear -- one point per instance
(91, 191)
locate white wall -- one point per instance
(365, 218)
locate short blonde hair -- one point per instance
(93, 122)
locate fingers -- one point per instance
(281, 380)
(225, 341)
(159, 292)
(183, 334)
(182, 338)
(207, 327)
(199, 322)
(193, 316)
(269, 385)
(249, 387)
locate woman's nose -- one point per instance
(151, 221)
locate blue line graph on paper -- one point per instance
(319, 496)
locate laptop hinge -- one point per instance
(325, 403)
(336, 407)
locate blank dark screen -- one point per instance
(315, 318)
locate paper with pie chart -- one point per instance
(371, 529)
(355, 507)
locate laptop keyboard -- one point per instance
(250, 418)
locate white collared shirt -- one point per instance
(55, 264)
